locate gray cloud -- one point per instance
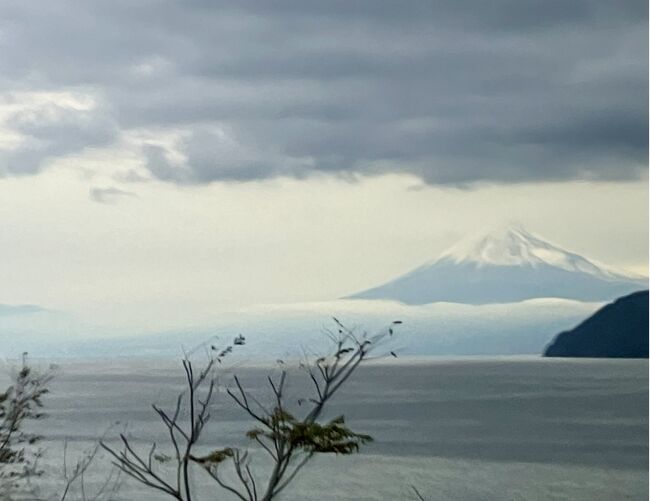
(109, 195)
(53, 131)
(454, 92)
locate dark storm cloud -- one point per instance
(454, 92)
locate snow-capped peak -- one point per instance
(514, 246)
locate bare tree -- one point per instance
(419, 496)
(74, 478)
(289, 441)
(182, 437)
(19, 452)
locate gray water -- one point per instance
(474, 429)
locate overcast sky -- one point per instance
(162, 158)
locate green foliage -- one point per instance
(21, 402)
(162, 458)
(215, 457)
(311, 437)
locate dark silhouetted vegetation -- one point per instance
(618, 330)
(19, 452)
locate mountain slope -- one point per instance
(618, 330)
(506, 266)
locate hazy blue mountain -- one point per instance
(10, 310)
(618, 330)
(506, 266)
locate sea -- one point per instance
(465, 429)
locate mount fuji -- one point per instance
(506, 266)
(505, 292)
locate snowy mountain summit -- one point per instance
(514, 246)
(507, 265)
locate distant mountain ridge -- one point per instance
(618, 330)
(505, 266)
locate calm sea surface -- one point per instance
(479, 429)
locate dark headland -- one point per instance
(617, 330)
